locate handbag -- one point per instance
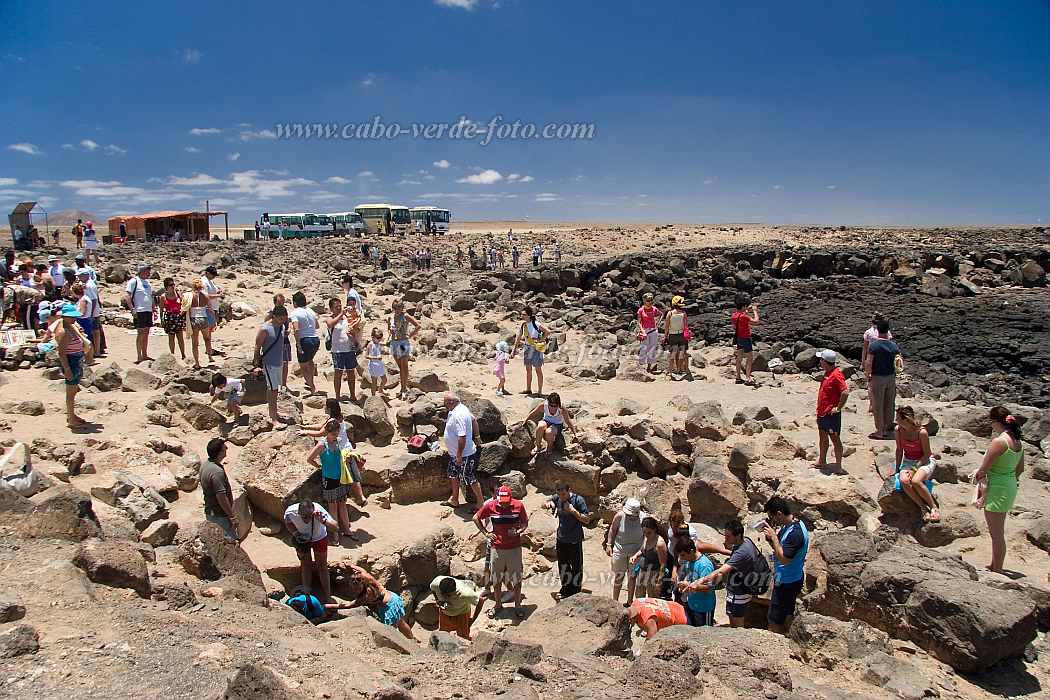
(539, 344)
(687, 334)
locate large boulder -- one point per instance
(19, 640)
(207, 555)
(1038, 533)
(656, 456)
(827, 642)
(411, 478)
(273, 478)
(488, 649)
(715, 494)
(706, 420)
(579, 624)
(428, 557)
(490, 420)
(201, 416)
(379, 422)
(837, 498)
(547, 471)
(60, 512)
(114, 563)
(253, 681)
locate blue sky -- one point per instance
(849, 112)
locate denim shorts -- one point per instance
(344, 361)
(400, 348)
(307, 349)
(76, 367)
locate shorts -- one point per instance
(173, 324)
(274, 376)
(912, 464)
(390, 612)
(88, 326)
(782, 601)
(506, 565)
(319, 548)
(737, 609)
(559, 428)
(233, 402)
(400, 348)
(212, 318)
(621, 560)
(287, 350)
(143, 319)
(467, 472)
(532, 357)
(223, 522)
(831, 423)
(345, 361)
(744, 344)
(308, 347)
(332, 491)
(460, 624)
(699, 619)
(676, 340)
(76, 367)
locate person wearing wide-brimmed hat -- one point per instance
(72, 346)
(622, 541)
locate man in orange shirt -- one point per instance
(653, 614)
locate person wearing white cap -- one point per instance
(138, 296)
(831, 398)
(623, 540)
(55, 270)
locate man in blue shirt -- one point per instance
(882, 381)
(572, 513)
(790, 547)
(699, 597)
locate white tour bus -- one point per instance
(431, 219)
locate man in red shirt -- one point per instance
(653, 614)
(742, 322)
(831, 397)
(509, 520)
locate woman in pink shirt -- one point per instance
(648, 316)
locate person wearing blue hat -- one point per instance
(72, 346)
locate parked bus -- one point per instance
(391, 218)
(431, 219)
(302, 225)
(348, 222)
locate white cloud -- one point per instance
(366, 173)
(462, 4)
(8, 181)
(710, 180)
(233, 157)
(441, 164)
(527, 178)
(778, 187)
(191, 55)
(195, 180)
(410, 182)
(323, 196)
(368, 81)
(115, 150)
(68, 146)
(260, 134)
(485, 177)
(548, 197)
(252, 182)
(27, 148)
(336, 180)
(515, 177)
(831, 187)
(78, 184)
(206, 131)
(88, 144)
(192, 149)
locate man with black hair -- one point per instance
(790, 547)
(269, 358)
(882, 381)
(215, 485)
(741, 570)
(459, 603)
(698, 599)
(572, 513)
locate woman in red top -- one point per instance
(742, 322)
(914, 465)
(173, 317)
(648, 316)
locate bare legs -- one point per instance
(997, 530)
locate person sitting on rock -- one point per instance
(555, 418)
(654, 614)
(385, 606)
(308, 524)
(914, 465)
(230, 389)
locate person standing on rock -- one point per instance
(790, 546)
(456, 600)
(743, 566)
(572, 513)
(196, 304)
(308, 524)
(463, 456)
(676, 338)
(914, 464)
(697, 599)
(648, 335)
(286, 343)
(342, 345)
(307, 341)
(882, 382)
(94, 309)
(269, 357)
(90, 242)
(831, 398)
(69, 340)
(214, 294)
(334, 411)
(534, 335)
(173, 317)
(327, 455)
(515, 256)
(552, 418)
(401, 341)
(1002, 467)
(742, 322)
(346, 283)
(218, 496)
(649, 561)
(623, 540)
(509, 520)
(138, 296)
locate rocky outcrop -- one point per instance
(114, 563)
(579, 624)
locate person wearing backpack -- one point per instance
(790, 547)
(746, 573)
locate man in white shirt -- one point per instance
(463, 455)
(94, 311)
(138, 296)
(308, 523)
(55, 269)
(214, 294)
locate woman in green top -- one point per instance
(1002, 467)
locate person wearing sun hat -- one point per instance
(831, 398)
(676, 338)
(622, 541)
(72, 346)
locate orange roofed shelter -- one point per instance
(163, 225)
